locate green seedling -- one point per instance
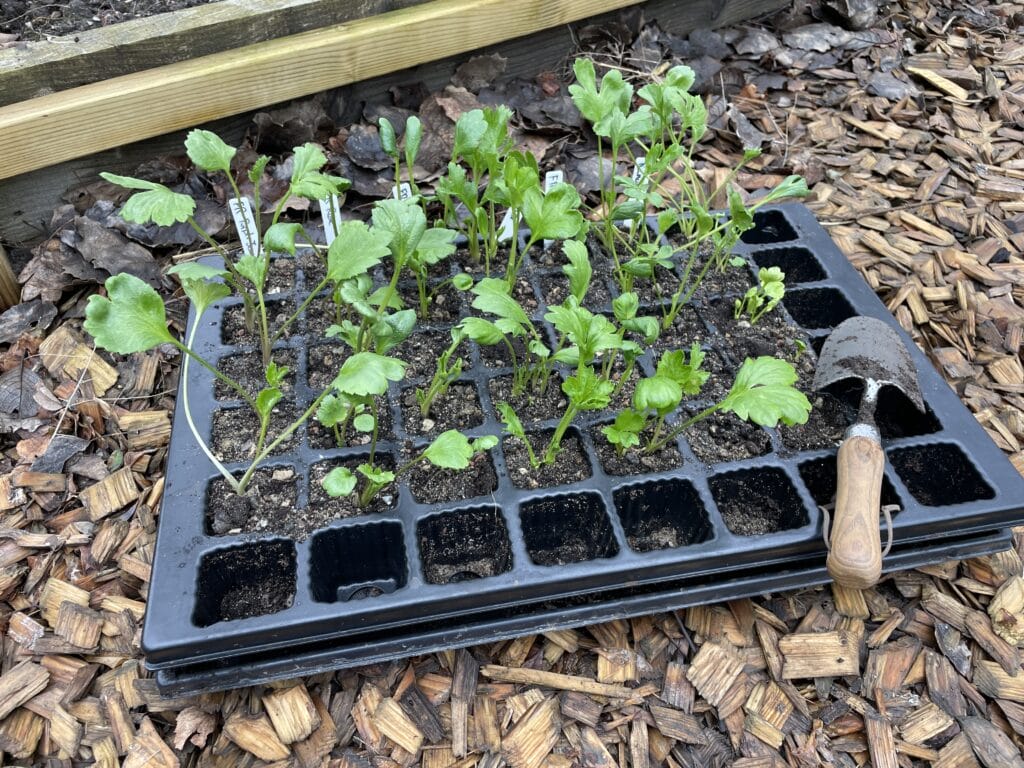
(478, 154)
(411, 141)
(762, 393)
(449, 450)
(762, 298)
(445, 374)
(247, 276)
(363, 378)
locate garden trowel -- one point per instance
(868, 349)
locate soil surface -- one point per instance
(725, 437)
(570, 464)
(32, 20)
(431, 485)
(531, 406)
(634, 461)
(459, 408)
(273, 489)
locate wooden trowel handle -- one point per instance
(855, 559)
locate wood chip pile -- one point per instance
(912, 137)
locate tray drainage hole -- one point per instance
(464, 544)
(818, 307)
(565, 529)
(664, 514)
(754, 502)
(939, 475)
(819, 476)
(357, 562)
(254, 579)
(769, 227)
(799, 264)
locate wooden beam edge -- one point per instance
(36, 68)
(91, 118)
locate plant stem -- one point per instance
(305, 303)
(224, 378)
(653, 446)
(556, 439)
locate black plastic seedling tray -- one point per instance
(418, 577)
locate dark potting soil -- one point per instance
(570, 464)
(267, 506)
(323, 508)
(322, 438)
(321, 314)
(771, 336)
(33, 20)
(235, 431)
(531, 406)
(233, 330)
(323, 361)
(684, 330)
(421, 351)
(280, 276)
(431, 485)
(634, 461)
(825, 426)
(247, 369)
(730, 281)
(464, 545)
(459, 408)
(498, 356)
(251, 580)
(444, 303)
(555, 289)
(725, 437)
(756, 503)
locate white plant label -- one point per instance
(551, 178)
(330, 211)
(640, 170)
(402, 192)
(245, 225)
(505, 228)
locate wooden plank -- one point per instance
(97, 116)
(35, 68)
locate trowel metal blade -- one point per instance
(868, 349)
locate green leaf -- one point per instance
(203, 293)
(687, 374)
(376, 475)
(340, 481)
(625, 431)
(578, 270)
(266, 400)
(207, 150)
(462, 281)
(600, 106)
(436, 245)
(367, 373)
(791, 186)
(492, 297)
(450, 450)
(484, 443)
(156, 204)
(649, 328)
(388, 142)
(511, 421)
(469, 129)
(740, 216)
(413, 139)
(625, 306)
(405, 222)
(482, 331)
(256, 172)
(554, 215)
(355, 250)
(307, 181)
(763, 393)
(131, 318)
(253, 268)
(280, 237)
(587, 391)
(275, 373)
(193, 270)
(364, 422)
(658, 393)
(333, 410)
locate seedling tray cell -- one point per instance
(505, 557)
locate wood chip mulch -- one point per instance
(913, 142)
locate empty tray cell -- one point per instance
(567, 529)
(769, 227)
(940, 474)
(357, 562)
(896, 416)
(464, 544)
(818, 307)
(819, 475)
(663, 514)
(754, 502)
(799, 264)
(253, 579)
